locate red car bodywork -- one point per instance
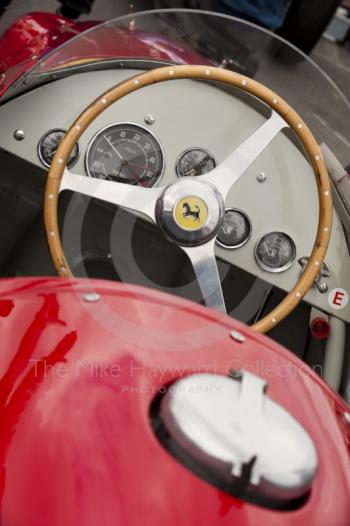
(78, 377)
(77, 381)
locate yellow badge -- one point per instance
(191, 213)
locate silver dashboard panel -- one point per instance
(191, 114)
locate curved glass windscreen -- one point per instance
(150, 39)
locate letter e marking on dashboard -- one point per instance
(338, 298)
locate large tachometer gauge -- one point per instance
(127, 153)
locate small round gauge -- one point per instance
(194, 161)
(235, 229)
(275, 252)
(126, 153)
(48, 145)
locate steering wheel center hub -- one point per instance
(190, 212)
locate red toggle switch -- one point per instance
(320, 328)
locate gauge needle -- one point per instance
(202, 162)
(269, 252)
(226, 229)
(116, 151)
(229, 229)
(196, 169)
(190, 172)
(136, 177)
(137, 165)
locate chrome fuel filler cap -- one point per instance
(240, 436)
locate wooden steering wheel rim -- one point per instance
(219, 75)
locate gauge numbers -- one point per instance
(275, 252)
(126, 153)
(48, 145)
(193, 162)
(235, 230)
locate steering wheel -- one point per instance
(190, 211)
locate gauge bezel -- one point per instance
(229, 247)
(122, 123)
(43, 137)
(189, 150)
(279, 269)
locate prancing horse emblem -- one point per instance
(188, 212)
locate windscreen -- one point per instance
(155, 38)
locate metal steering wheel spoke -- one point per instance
(206, 270)
(227, 173)
(134, 198)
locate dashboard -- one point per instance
(185, 128)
